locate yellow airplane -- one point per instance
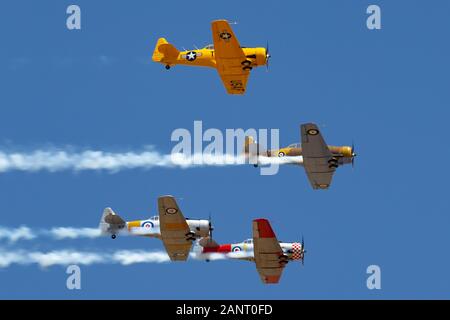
(232, 61)
(319, 159)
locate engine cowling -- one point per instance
(256, 55)
(297, 251)
(345, 151)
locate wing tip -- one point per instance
(306, 127)
(271, 279)
(321, 186)
(264, 228)
(167, 196)
(219, 20)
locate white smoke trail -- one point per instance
(123, 257)
(16, 234)
(127, 257)
(13, 235)
(74, 233)
(61, 257)
(67, 257)
(60, 160)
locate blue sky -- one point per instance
(97, 89)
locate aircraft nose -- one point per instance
(297, 251)
(205, 227)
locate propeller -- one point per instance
(303, 251)
(267, 55)
(208, 242)
(210, 226)
(353, 155)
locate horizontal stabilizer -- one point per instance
(111, 222)
(208, 242)
(251, 147)
(164, 51)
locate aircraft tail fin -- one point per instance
(251, 147)
(111, 222)
(164, 51)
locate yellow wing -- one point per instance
(235, 83)
(173, 227)
(229, 58)
(226, 45)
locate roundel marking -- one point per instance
(236, 249)
(171, 210)
(225, 35)
(313, 132)
(147, 224)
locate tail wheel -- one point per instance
(113, 236)
(167, 67)
(281, 154)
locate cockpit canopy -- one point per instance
(294, 145)
(154, 218)
(248, 241)
(209, 47)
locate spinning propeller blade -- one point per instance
(353, 155)
(267, 55)
(303, 251)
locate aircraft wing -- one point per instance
(235, 83)
(229, 57)
(316, 156)
(226, 45)
(173, 227)
(267, 251)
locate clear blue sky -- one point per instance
(387, 90)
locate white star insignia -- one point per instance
(191, 56)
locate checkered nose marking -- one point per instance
(296, 251)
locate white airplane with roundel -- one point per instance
(176, 232)
(269, 254)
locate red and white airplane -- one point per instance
(270, 255)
